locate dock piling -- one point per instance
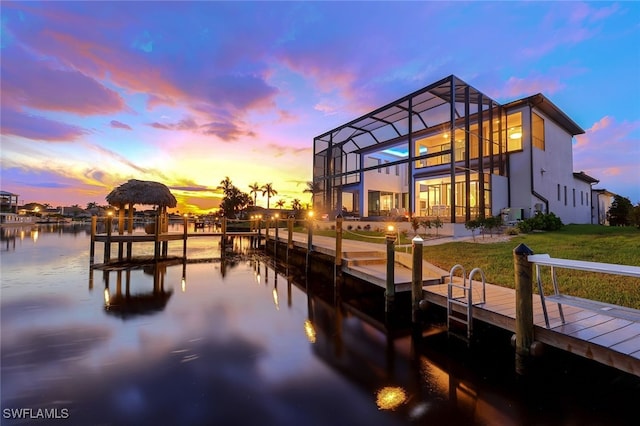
(107, 244)
(416, 278)
(290, 231)
(524, 306)
(338, 259)
(390, 292)
(92, 249)
(186, 232)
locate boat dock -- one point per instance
(604, 333)
(601, 332)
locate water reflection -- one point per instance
(124, 304)
(390, 397)
(217, 352)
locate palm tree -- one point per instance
(255, 188)
(280, 204)
(295, 204)
(267, 189)
(225, 185)
(313, 188)
(92, 205)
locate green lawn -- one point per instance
(581, 242)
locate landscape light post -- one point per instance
(416, 277)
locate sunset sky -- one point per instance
(186, 93)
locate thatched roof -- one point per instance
(142, 192)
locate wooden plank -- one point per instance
(618, 336)
(600, 329)
(629, 346)
(606, 356)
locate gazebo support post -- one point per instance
(92, 251)
(120, 232)
(165, 226)
(156, 251)
(130, 231)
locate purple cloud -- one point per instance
(119, 125)
(45, 85)
(38, 128)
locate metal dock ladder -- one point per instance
(462, 295)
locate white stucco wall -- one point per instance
(553, 167)
(374, 181)
(547, 170)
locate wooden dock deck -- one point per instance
(166, 236)
(597, 334)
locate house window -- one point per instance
(581, 198)
(565, 195)
(574, 197)
(559, 193)
(379, 163)
(397, 169)
(537, 131)
(514, 132)
(386, 169)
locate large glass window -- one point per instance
(537, 132)
(514, 132)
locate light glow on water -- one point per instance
(390, 397)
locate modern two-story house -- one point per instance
(450, 151)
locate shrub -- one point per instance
(492, 222)
(426, 224)
(473, 225)
(415, 225)
(512, 230)
(437, 223)
(541, 222)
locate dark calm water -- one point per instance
(243, 342)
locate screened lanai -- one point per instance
(431, 153)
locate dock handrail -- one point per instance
(466, 300)
(484, 281)
(580, 265)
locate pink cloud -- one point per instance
(286, 117)
(609, 151)
(228, 130)
(568, 27)
(519, 87)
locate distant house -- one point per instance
(450, 151)
(601, 202)
(73, 212)
(8, 202)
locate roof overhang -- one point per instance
(585, 177)
(542, 103)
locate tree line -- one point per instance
(235, 200)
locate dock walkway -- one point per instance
(596, 334)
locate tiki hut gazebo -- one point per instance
(142, 192)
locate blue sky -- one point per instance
(186, 93)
